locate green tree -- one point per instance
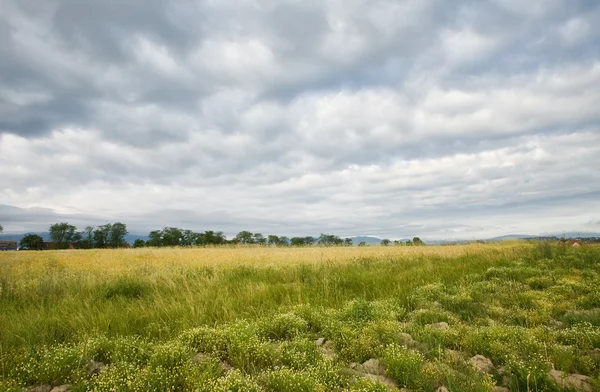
(210, 237)
(417, 241)
(244, 237)
(139, 243)
(116, 235)
(87, 236)
(101, 236)
(348, 242)
(155, 238)
(63, 234)
(259, 239)
(31, 242)
(385, 242)
(1, 229)
(362, 243)
(329, 240)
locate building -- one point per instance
(55, 245)
(8, 245)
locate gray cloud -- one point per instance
(360, 117)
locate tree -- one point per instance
(86, 235)
(329, 240)
(63, 234)
(116, 235)
(210, 237)
(348, 242)
(273, 240)
(31, 242)
(385, 242)
(1, 229)
(244, 237)
(155, 238)
(139, 243)
(259, 239)
(362, 243)
(101, 236)
(417, 241)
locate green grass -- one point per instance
(526, 308)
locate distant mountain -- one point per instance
(367, 240)
(511, 237)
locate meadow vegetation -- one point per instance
(301, 319)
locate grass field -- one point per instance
(246, 319)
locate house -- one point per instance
(55, 245)
(8, 245)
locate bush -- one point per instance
(403, 365)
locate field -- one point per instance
(302, 319)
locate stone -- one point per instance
(62, 388)
(94, 368)
(442, 389)
(373, 366)
(575, 245)
(320, 341)
(454, 356)
(406, 340)
(328, 349)
(500, 389)
(226, 367)
(482, 364)
(40, 388)
(441, 325)
(200, 357)
(578, 382)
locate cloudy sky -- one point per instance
(443, 119)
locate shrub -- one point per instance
(403, 365)
(282, 326)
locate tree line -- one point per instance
(65, 236)
(173, 236)
(112, 235)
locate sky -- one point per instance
(432, 118)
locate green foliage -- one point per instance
(31, 242)
(403, 365)
(63, 234)
(126, 288)
(253, 328)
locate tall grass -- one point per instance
(421, 311)
(54, 296)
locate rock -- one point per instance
(226, 367)
(41, 388)
(320, 341)
(406, 340)
(356, 366)
(94, 368)
(62, 388)
(441, 325)
(575, 245)
(578, 382)
(442, 389)
(500, 389)
(455, 356)
(200, 357)
(388, 382)
(328, 349)
(373, 366)
(482, 364)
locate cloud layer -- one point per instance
(393, 118)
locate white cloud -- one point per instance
(387, 118)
